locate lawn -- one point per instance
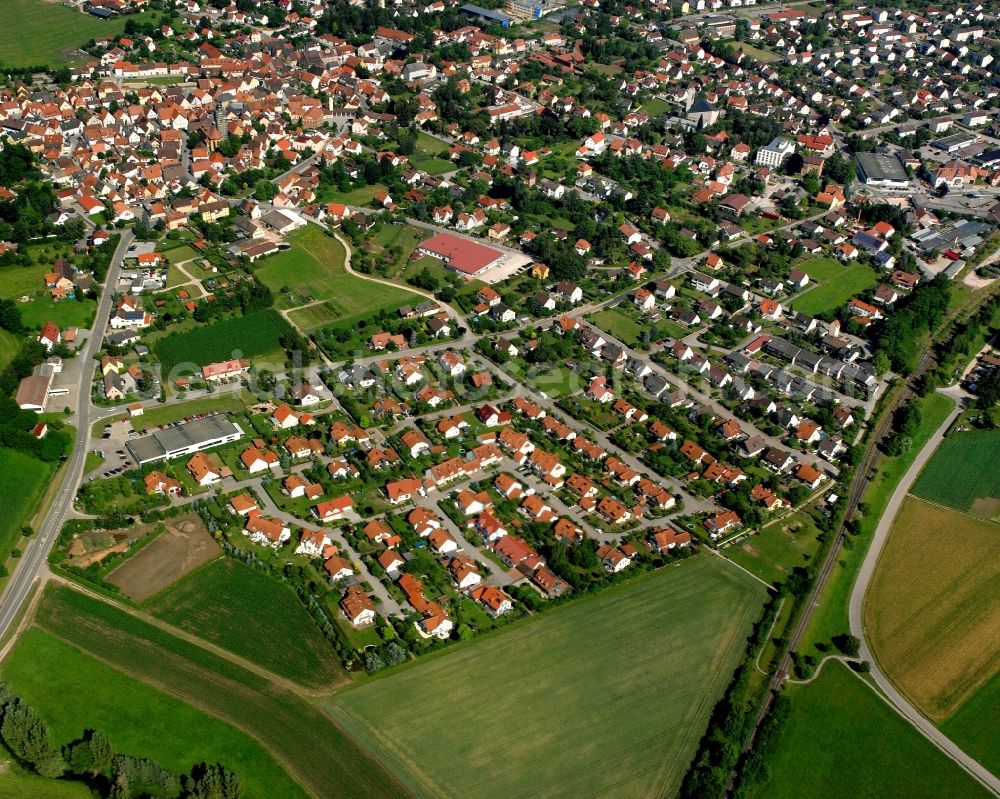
(9, 347)
(973, 725)
(933, 621)
(830, 617)
(429, 145)
(27, 786)
(606, 696)
(763, 56)
(16, 281)
(655, 107)
(313, 270)
(431, 165)
(778, 548)
(23, 480)
(37, 32)
(835, 291)
(174, 411)
(252, 336)
(362, 196)
(141, 721)
(308, 742)
(840, 739)
(303, 273)
(253, 616)
(67, 313)
(963, 474)
(821, 268)
(620, 325)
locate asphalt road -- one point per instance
(32, 562)
(856, 608)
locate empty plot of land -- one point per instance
(964, 474)
(835, 291)
(933, 608)
(179, 549)
(605, 697)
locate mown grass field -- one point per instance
(253, 336)
(313, 270)
(973, 725)
(9, 347)
(620, 325)
(964, 474)
(822, 268)
(175, 411)
(830, 617)
(841, 740)
(253, 616)
(27, 786)
(607, 696)
(74, 691)
(835, 291)
(778, 548)
(309, 743)
(933, 609)
(23, 480)
(67, 313)
(36, 32)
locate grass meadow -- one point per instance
(841, 739)
(253, 616)
(36, 32)
(307, 742)
(28, 786)
(973, 725)
(23, 480)
(73, 691)
(607, 696)
(963, 474)
(834, 291)
(933, 610)
(778, 548)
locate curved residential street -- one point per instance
(891, 694)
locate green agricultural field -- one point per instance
(606, 696)
(23, 480)
(27, 786)
(37, 32)
(963, 474)
(841, 739)
(778, 548)
(256, 335)
(49, 674)
(307, 742)
(973, 725)
(253, 616)
(836, 291)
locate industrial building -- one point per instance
(184, 438)
(881, 171)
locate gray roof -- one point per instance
(184, 435)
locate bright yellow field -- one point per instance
(933, 608)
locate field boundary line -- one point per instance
(275, 679)
(966, 514)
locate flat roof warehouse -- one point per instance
(460, 254)
(184, 439)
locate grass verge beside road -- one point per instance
(605, 696)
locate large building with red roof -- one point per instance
(462, 255)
